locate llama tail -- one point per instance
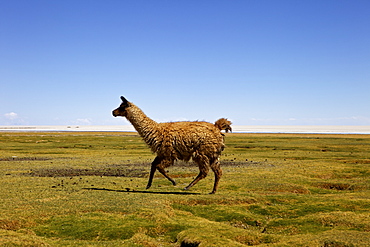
(223, 124)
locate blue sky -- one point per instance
(262, 62)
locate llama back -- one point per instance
(181, 139)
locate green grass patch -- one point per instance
(94, 226)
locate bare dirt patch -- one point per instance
(336, 186)
(15, 158)
(126, 170)
(133, 170)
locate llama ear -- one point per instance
(124, 100)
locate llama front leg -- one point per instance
(160, 164)
(164, 173)
(161, 168)
(155, 163)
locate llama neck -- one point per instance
(144, 125)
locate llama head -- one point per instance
(121, 110)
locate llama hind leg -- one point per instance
(218, 173)
(203, 164)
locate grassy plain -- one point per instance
(87, 189)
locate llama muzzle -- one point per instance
(114, 113)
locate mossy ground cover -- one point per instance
(88, 189)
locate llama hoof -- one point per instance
(147, 187)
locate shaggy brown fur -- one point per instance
(201, 141)
(223, 124)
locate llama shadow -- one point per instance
(127, 190)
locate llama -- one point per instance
(201, 141)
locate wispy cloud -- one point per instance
(12, 118)
(11, 115)
(83, 121)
